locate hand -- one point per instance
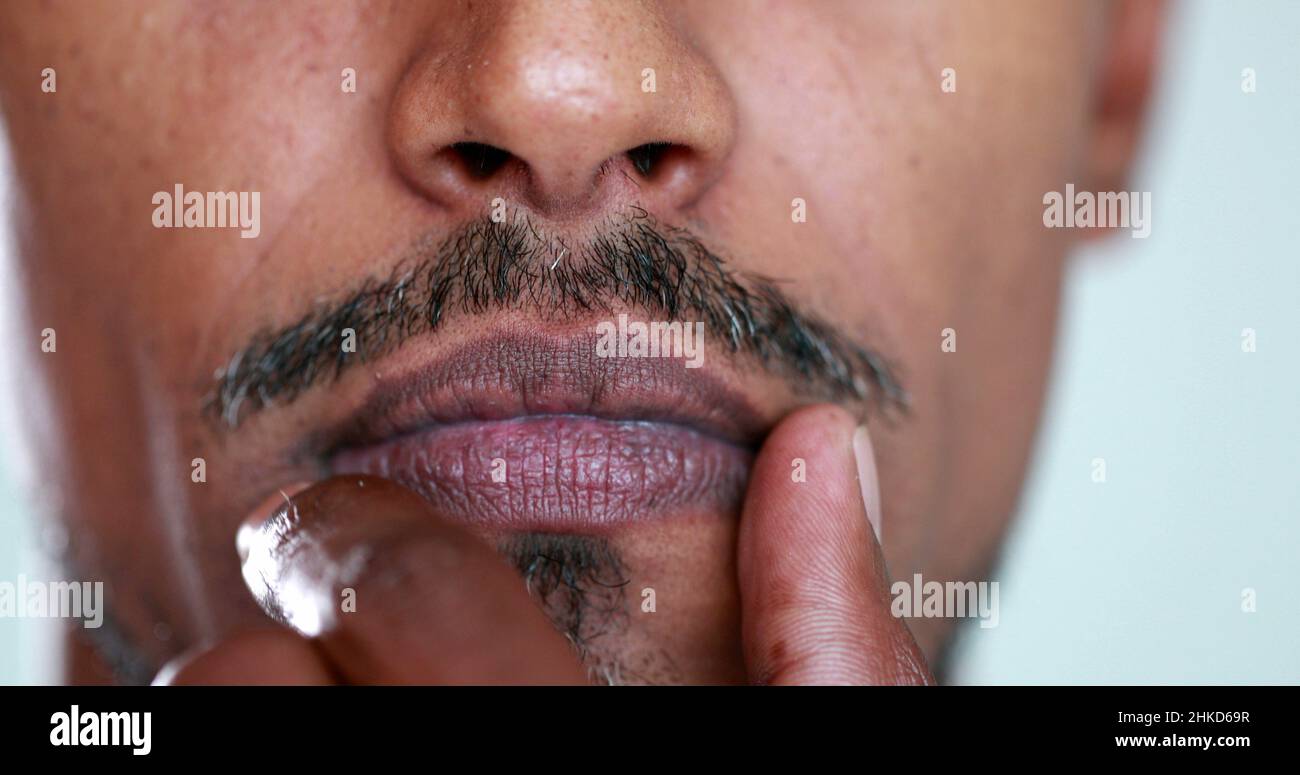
(434, 604)
(437, 605)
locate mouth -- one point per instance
(527, 431)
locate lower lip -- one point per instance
(560, 472)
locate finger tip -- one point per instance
(811, 445)
(868, 478)
(268, 509)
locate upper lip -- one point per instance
(516, 374)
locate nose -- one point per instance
(566, 107)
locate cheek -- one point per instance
(923, 213)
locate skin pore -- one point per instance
(923, 213)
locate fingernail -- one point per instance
(867, 477)
(263, 512)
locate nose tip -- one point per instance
(553, 105)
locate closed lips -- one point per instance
(535, 433)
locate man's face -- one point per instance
(816, 175)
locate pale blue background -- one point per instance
(1137, 580)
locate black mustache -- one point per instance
(486, 266)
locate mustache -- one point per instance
(488, 266)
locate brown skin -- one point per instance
(924, 213)
(435, 605)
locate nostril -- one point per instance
(646, 158)
(480, 160)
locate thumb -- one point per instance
(428, 601)
(814, 589)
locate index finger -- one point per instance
(815, 604)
